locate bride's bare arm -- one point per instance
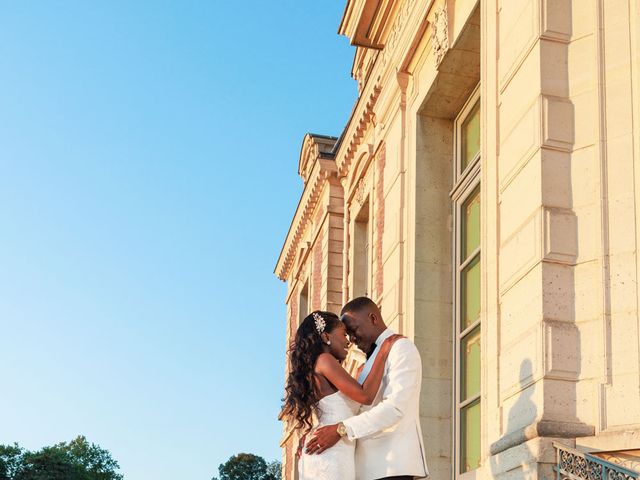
(330, 368)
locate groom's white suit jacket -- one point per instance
(388, 433)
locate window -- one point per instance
(304, 303)
(467, 247)
(362, 253)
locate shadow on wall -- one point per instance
(523, 413)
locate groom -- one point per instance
(389, 438)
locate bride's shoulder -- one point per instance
(325, 360)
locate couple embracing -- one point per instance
(355, 429)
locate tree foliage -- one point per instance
(10, 461)
(274, 471)
(76, 460)
(246, 466)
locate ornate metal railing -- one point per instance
(574, 465)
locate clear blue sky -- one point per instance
(148, 177)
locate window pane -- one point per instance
(470, 224)
(470, 136)
(470, 295)
(470, 365)
(470, 437)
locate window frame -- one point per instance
(365, 210)
(305, 292)
(466, 183)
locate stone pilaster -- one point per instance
(539, 343)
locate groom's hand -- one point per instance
(323, 438)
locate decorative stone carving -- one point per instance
(359, 195)
(629, 460)
(440, 33)
(365, 117)
(398, 25)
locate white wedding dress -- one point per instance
(337, 462)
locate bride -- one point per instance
(320, 392)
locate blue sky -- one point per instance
(148, 176)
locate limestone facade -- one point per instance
(485, 193)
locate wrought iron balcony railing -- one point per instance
(574, 465)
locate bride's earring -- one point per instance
(329, 342)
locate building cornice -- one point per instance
(365, 22)
(318, 170)
(316, 162)
(356, 129)
(399, 40)
(314, 146)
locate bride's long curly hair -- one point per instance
(301, 396)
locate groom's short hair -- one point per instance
(358, 304)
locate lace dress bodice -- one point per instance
(335, 408)
(337, 462)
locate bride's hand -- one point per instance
(388, 343)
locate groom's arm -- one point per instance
(404, 375)
(403, 382)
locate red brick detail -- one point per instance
(289, 460)
(379, 215)
(317, 218)
(316, 280)
(293, 312)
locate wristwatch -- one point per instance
(342, 430)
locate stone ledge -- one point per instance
(542, 428)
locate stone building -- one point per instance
(485, 193)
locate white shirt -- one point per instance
(369, 363)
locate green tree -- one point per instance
(76, 460)
(246, 466)
(95, 461)
(10, 461)
(274, 471)
(50, 463)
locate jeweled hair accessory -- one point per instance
(320, 323)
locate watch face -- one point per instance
(342, 430)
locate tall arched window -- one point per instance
(467, 247)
